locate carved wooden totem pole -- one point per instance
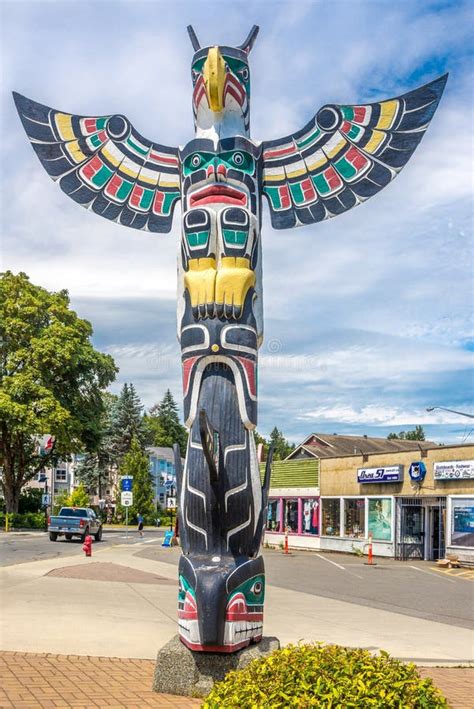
(343, 156)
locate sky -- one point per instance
(368, 316)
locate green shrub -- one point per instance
(30, 520)
(326, 676)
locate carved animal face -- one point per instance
(220, 603)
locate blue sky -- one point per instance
(368, 317)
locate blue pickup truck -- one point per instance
(75, 522)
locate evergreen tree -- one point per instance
(281, 447)
(97, 468)
(127, 423)
(136, 464)
(163, 425)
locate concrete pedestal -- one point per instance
(192, 674)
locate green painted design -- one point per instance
(96, 141)
(147, 199)
(253, 589)
(124, 190)
(138, 148)
(197, 66)
(310, 139)
(102, 176)
(347, 112)
(238, 160)
(197, 238)
(235, 238)
(169, 200)
(293, 473)
(321, 184)
(183, 588)
(274, 194)
(354, 132)
(297, 192)
(345, 169)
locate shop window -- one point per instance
(61, 476)
(273, 516)
(330, 517)
(291, 515)
(354, 518)
(462, 525)
(310, 520)
(380, 518)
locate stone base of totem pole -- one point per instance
(192, 674)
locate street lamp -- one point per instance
(461, 413)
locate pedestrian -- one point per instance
(140, 524)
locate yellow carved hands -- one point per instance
(219, 292)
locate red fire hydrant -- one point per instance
(87, 546)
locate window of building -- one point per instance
(462, 524)
(331, 517)
(380, 518)
(291, 515)
(162, 480)
(162, 497)
(354, 518)
(310, 511)
(61, 476)
(273, 516)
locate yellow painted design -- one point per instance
(129, 168)
(200, 279)
(233, 281)
(149, 179)
(377, 137)
(318, 162)
(339, 145)
(74, 151)
(111, 157)
(214, 79)
(296, 173)
(272, 177)
(64, 126)
(215, 348)
(388, 110)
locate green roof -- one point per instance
(294, 473)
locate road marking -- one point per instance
(330, 561)
(465, 574)
(430, 573)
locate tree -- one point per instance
(127, 422)
(78, 498)
(136, 464)
(281, 447)
(51, 379)
(417, 434)
(163, 424)
(93, 469)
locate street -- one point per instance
(18, 547)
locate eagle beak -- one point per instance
(214, 78)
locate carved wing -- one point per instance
(104, 164)
(344, 155)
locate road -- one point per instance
(18, 547)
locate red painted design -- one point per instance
(113, 186)
(102, 136)
(249, 368)
(222, 194)
(136, 195)
(356, 158)
(333, 179)
(164, 159)
(284, 196)
(90, 125)
(360, 113)
(308, 190)
(270, 154)
(218, 648)
(346, 126)
(93, 166)
(188, 364)
(235, 88)
(158, 202)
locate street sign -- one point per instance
(45, 500)
(126, 498)
(171, 503)
(169, 484)
(127, 482)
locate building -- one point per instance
(163, 474)
(415, 498)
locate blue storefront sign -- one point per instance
(417, 471)
(391, 474)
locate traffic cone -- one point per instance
(370, 556)
(285, 545)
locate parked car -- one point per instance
(75, 522)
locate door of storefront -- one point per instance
(436, 530)
(412, 530)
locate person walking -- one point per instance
(140, 524)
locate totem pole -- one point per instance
(343, 156)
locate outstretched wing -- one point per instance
(344, 155)
(105, 165)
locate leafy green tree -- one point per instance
(136, 464)
(417, 434)
(77, 498)
(51, 379)
(127, 423)
(163, 424)
(281, 447)
(95, 469)
(30, 500)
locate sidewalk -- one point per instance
(61, 681)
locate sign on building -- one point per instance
(391, 474)
(454, 470)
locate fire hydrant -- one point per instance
(87, 546)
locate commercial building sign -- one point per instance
(391, 474)
(454, 470)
